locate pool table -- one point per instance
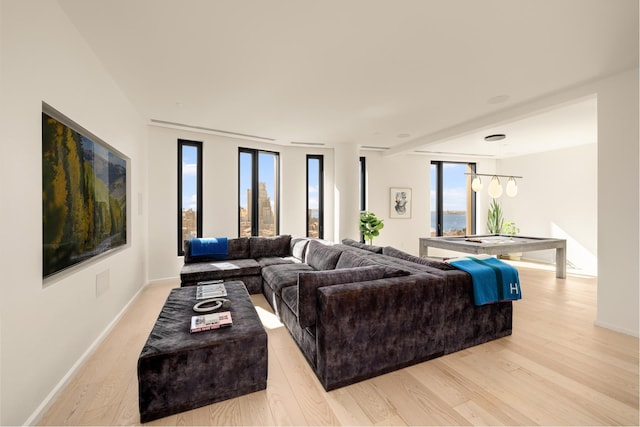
(499, 244)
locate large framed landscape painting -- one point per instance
(84, 194)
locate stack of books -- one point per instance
(205, 322)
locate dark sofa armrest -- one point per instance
(368, 328)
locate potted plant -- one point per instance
(495, 221)
(510, 228)
(370, 225)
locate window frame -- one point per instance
(363, 188)
(439, 208)
(198, 145)
(363, 183)
(320, 159)
(255, 179)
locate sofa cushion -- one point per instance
(397, 253)
(321, 256)
(299, 247)
(359, 245)
(238, 248)
(309, 282)
(280, 276)
(350, 259)
(200, 271)
(269, 246)
(276, 260)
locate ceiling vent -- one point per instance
(308, 144)
(373, 148)
(175, 125)
(441, 153)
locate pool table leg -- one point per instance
(561, 262)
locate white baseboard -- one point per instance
(616, 328)
(34, 419)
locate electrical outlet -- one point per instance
(102, 283)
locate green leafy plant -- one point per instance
(495, 222)
(370, 225)
(510, 228)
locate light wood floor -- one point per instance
(556, 369)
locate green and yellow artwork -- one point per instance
(84, 197)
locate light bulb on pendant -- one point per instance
(512, 187)
(495, 188)
(476, 184)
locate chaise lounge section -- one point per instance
(357, 311)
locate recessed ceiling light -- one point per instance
(495, 137)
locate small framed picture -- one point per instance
(399, 202)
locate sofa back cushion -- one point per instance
(321, 256)
(309, 282)
(397, 253)
(299, 247)
(349, 259)
(238, 248)
(269, 246)
(360, 245)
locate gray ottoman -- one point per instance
(178, 371)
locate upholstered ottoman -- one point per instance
(178, 370)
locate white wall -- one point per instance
(410, 171)
(618, 197)
(557, 197)
(220, 192)
(46, 330)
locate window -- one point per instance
(315, 196)
(189, 192)
(362, 187)
(363, 184)
(258, 179)
(453, 203)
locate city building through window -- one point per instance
(315, 196)
(189, 192)
(453, 202)
(258, 183)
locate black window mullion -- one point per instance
(255, 193)
(198, 145)
(254, 184)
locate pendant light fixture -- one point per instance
(495, 189)
(476, 184)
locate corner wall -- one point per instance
(618, 198)
(46, 330)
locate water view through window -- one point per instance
(452, 200)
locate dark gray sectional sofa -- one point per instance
(357, 311)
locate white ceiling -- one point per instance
(392, 74)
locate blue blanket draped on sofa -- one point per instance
(493, 280)
(211, 247)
